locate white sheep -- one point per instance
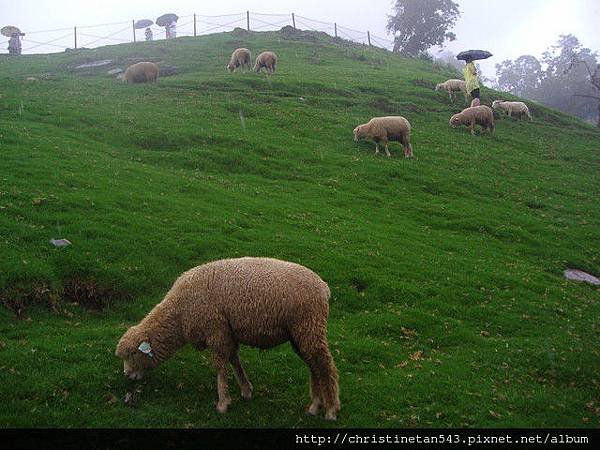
(261, 302)
(268, 60)
(475, 115)
(239, 58)
(511, 108)
(384, 129)
(452, 86)
(142, 72)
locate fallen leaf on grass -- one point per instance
(495, 415)
(417, 356)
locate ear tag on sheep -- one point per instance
(146, 349)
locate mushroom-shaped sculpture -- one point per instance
(143, 23)
(168, 21)
(10, 30)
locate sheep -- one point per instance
(261, 302)
(480, 115)
(453, 86)
(268, 60)
(239, 58)
(142, 72)
(384, 129)
(519, 108)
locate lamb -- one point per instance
(239, 58)
(384, 129)
(268, 60)
(261, 302)
(453, 86)
(142, 72)
(480, 115)
(519, 108)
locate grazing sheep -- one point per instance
(268, 60)
(453, 86)
(384, 129)
(142, 72)
(474, 115)
(511, 108)
(261, 302)
(239, 58)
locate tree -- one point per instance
(569, 82)
(521, 77)
(419, 25)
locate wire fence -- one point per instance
(91, 36)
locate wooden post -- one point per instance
(194, 24)
(248, 20)
(335, 28)
(133, 26)
(294, 21)
(369, 38)
(75, 35)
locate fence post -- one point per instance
(369, 38)
(133, 27)
(248, 20)
(75, 36)
(194, 24)
(294, 21)
(335, 28)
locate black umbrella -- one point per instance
(166, 19)
(473, 55)
(143, 23)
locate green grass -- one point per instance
(457, 253)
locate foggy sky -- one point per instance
(507, 28)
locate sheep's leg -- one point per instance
(376, 147)
(222, 348)
(314, 387)
(387, 152)
(224, 400)
(472, 128)
(408, 152)
(324, 370)
(240, 376)
(324, 389)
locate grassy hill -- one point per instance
(448, 303)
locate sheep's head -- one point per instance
(455, 120)
(495, 103)
(358, 133)
(438, 86)
(135, 349)
(230, 67)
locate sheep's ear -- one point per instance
(146, 349)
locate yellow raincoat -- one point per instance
(470, 74)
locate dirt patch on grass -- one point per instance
(18, 298)
(89, 293)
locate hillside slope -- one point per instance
(448, 303)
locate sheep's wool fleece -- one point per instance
(260, 299)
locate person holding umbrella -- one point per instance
(14, 41)
(14, 44)
(470, 72)
(148, 34)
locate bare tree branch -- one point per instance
(586, 96)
